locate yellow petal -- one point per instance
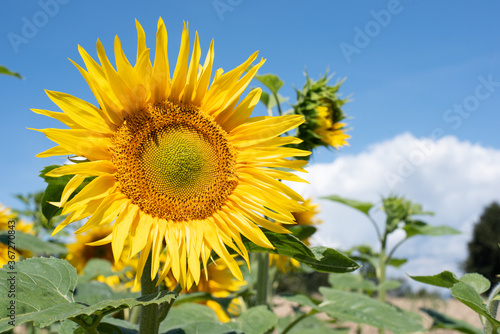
(83, 143)
(242, 111)
(92, 168)
(80, 111)
(192, 81)
(179, 79)
(160, 79)
(121, 229)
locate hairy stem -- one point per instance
(262, 278)
(149, 314)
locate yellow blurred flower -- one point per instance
(330, 132)
(83, 250)
(10, 222)
(308, 217)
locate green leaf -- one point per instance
(44, 295)
(477, 281)
(4, 70)
(319, 258)
(350, 281)
(257, 320)
(302, 300)
(92, 293)
(358, 308)
(415, 227)
(53, 192)
(33, 244)
(123, 326)
(328, 260)
(389, 285)
(469, 296)
(302, 232)
(358, 205)
(95, 268)
(444, 279)
(271, 81)
(193, 297)
(270, 100)
(443, 321)
(397, 262)
(309, 325)
(108, 328)
(191, 318)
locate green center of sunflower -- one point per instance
(179, 161)
(174, 162)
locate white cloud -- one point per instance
(453, 178)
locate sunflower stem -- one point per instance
(149, 314)
(262, 278)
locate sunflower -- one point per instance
(321, 105)
(82, 251)
(178, 164)
(10, 221)
(331, 132)
(306, 217)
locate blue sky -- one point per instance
(428, 69)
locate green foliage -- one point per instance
(33, 211)
(445, 279)
(355, 307)
(467, 290)
(256, 320)
(5, 71)
(33, 244)
(400, 210)
(302, 232)
(45, 293)
(94, 268)
(271, 81)
(351, 282)
(309, 325)
(443, 321)
(363, 207)
(271, 101)
(483, 250)
(53, 192)
(321, 259)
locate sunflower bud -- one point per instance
(320, 104)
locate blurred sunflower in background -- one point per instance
(321, 106)
(6, 216)
(177, 161)
(307, 217)
(87, 246)
(220, 283)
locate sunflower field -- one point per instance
(175, 210)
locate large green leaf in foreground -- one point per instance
(361, 309)
(44, 290)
